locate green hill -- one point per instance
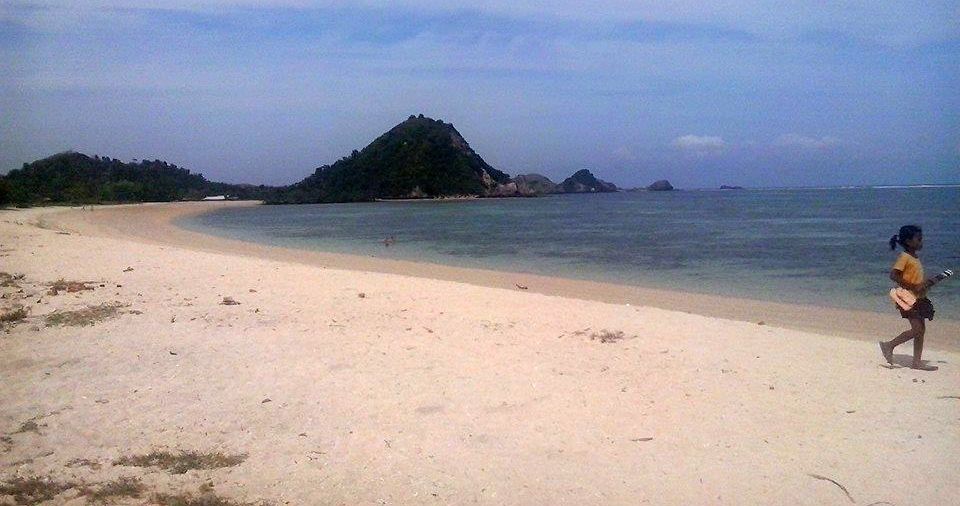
(418, 158)
(77, 178)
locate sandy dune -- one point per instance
(345, 386)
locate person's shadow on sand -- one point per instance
(901, 360)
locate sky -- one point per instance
(738, 92)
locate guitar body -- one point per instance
(905, 299)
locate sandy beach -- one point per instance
(314, 378)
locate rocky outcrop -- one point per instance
(525, 185)
(583, 181)
(661, 186)
(535, 184)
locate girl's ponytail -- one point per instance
(907, 232)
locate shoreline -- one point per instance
(155, 223)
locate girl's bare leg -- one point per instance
(918, 344)
(916, 329)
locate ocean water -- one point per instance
(812, 246)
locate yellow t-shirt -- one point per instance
(911, 268)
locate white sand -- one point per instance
(428, 391)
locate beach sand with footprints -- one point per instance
(142, 363)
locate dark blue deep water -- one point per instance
(823, 246)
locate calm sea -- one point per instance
(821, 246)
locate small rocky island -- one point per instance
(661, 186)
(583, 181)
(531, 185)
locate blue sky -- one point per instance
(755, 93)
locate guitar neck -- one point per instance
(940, 277)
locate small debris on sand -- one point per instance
(606, 336)
(522, 287)
(228, 301)
(642, 439)
(835, 482)
(362, 295)
(761, 322)
(128, 269)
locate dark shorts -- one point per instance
(923, 309)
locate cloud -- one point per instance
(804, 142)
(700, 143)
(624, 153)
(905, 23)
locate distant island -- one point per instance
(727, 187)
(417, 159)
(661, 186)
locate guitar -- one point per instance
(905, 299)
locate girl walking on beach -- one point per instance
(907, 272)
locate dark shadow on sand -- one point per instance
(905, 361)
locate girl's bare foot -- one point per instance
(921, 366)
(887, 352)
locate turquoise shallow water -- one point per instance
(822, 246)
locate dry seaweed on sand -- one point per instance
(229, 301)
(28, 426)
(16, 314)
(62, 285)
(92, 464)
(606, 336)
(8, 280)
(33, 489)
(121, 487)
(181, 462)
(86, 316)
(203, 499)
